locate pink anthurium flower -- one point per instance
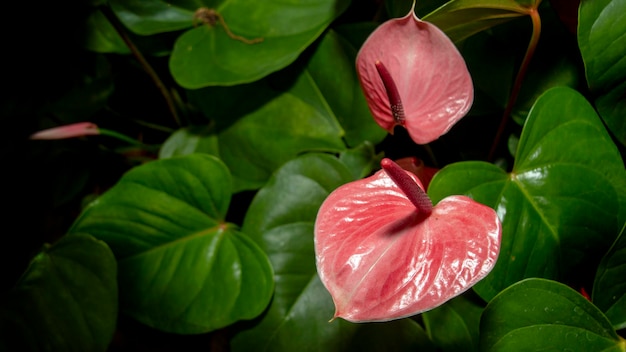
(413, 75)
(68, 131)
(384, 252)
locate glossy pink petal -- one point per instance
(381, 260)
(432, 82)
(68, 131)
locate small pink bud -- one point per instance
(413, 76)
(68, 131)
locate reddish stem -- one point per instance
(397, 110)
(408, 186)
(517, 85)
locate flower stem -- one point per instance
(397, 110)
(517, 85)
(408, 186)
(125, 138)
(119, 28)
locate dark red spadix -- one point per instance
(411, 66)
(382, 259)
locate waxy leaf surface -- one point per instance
(561, 203)
(603, 47)
(65, 301)
(182, 268)
(208, 55)
(539, 314)
(257, 142)
(462, 18)
(281, 220)
(381, 260)
(430, 74)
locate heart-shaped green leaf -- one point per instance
(248, 39)
(282, 124)
(65, 301)
(559, 206)
(609, 288)
(602, 43)
(280, 219)
(543, 315)
(182, 268)
(454, 325)
(462, 18)
(217, 53)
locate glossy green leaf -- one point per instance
(281, 220)
(538, 314)
(182, 268)
(609, 288)
(560, 205)
(260, 141)
(332, 68)
(209, 55)
(454, 325)
(65, 301)
(462, 18)
(602, 43)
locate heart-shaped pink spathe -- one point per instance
(381, 260)
(431, 77)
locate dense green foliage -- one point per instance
(187, 224)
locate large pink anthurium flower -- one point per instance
(413, 75)
(384, 252)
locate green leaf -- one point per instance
(65, 301)
(154, 16)
(260, 141)
(461, 19)
(281, 220)
(609, 288)
(454, 325)
(332, 69)
(182, 268)
(210, 55)
(538, 314)
(560, 205)
(361, 160)
(602, 43)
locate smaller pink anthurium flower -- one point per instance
(79, 129)
(384, 252)
(413, 76)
